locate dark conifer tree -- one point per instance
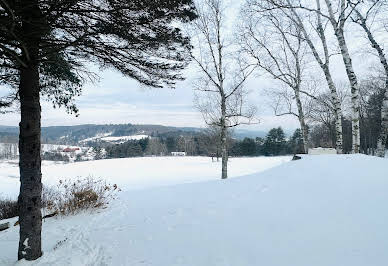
(44, 48)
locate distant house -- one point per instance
(320, 151)
(68, 149)
(178, 153)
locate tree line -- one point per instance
(275, 143)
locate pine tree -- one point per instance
(275, 142)
(44, 48)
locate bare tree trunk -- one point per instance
(354, 92)
(302, 121)
(382, 140)
(337, 113)
(29, 202)
(30, 216)
(224, 147)
(338, 27)
(333, 90)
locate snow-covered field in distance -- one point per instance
(321, 210)
(118, 139)
(138, 173)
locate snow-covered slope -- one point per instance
(138, 173)
(321, 210)
(119, 139)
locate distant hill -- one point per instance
(71, 135)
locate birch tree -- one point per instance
(338, 24)
(220, 93)
(337, 19)
(323, 111)
(276, 46)
(371, 8)
(322, 55)
(319, 49)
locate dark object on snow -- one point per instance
(44, 217)
(4, 226)
(296, 157)
(50, 215)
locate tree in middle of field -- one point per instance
(221, 97)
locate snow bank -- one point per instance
(321, 210)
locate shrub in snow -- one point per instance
(70, 196)
(8, 209)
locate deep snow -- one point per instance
(321, 210)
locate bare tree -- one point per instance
(277, 47)
(220, 94)
(323, 111)
(372, 9)
(337, 19)
(323, 60)
(338, 24)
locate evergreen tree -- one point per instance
(295, 144)
(248, 147)
(171, 144)
(275, 142)
(44, 46)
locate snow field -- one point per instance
(321, 210)
(138, 173)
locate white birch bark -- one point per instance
(338, 27)
(325, 66)
(224, 148)
(302, 121)
(301, 116)
(382, 140)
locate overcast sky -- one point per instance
(117, 99)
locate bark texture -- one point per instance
(384, 126)
(30, 215)
(29, 201)
(338, 27)
(224, 148)
(302, 122)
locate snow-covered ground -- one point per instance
(138, 173)
(123, 139)
(321, 210)
(120, 139)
